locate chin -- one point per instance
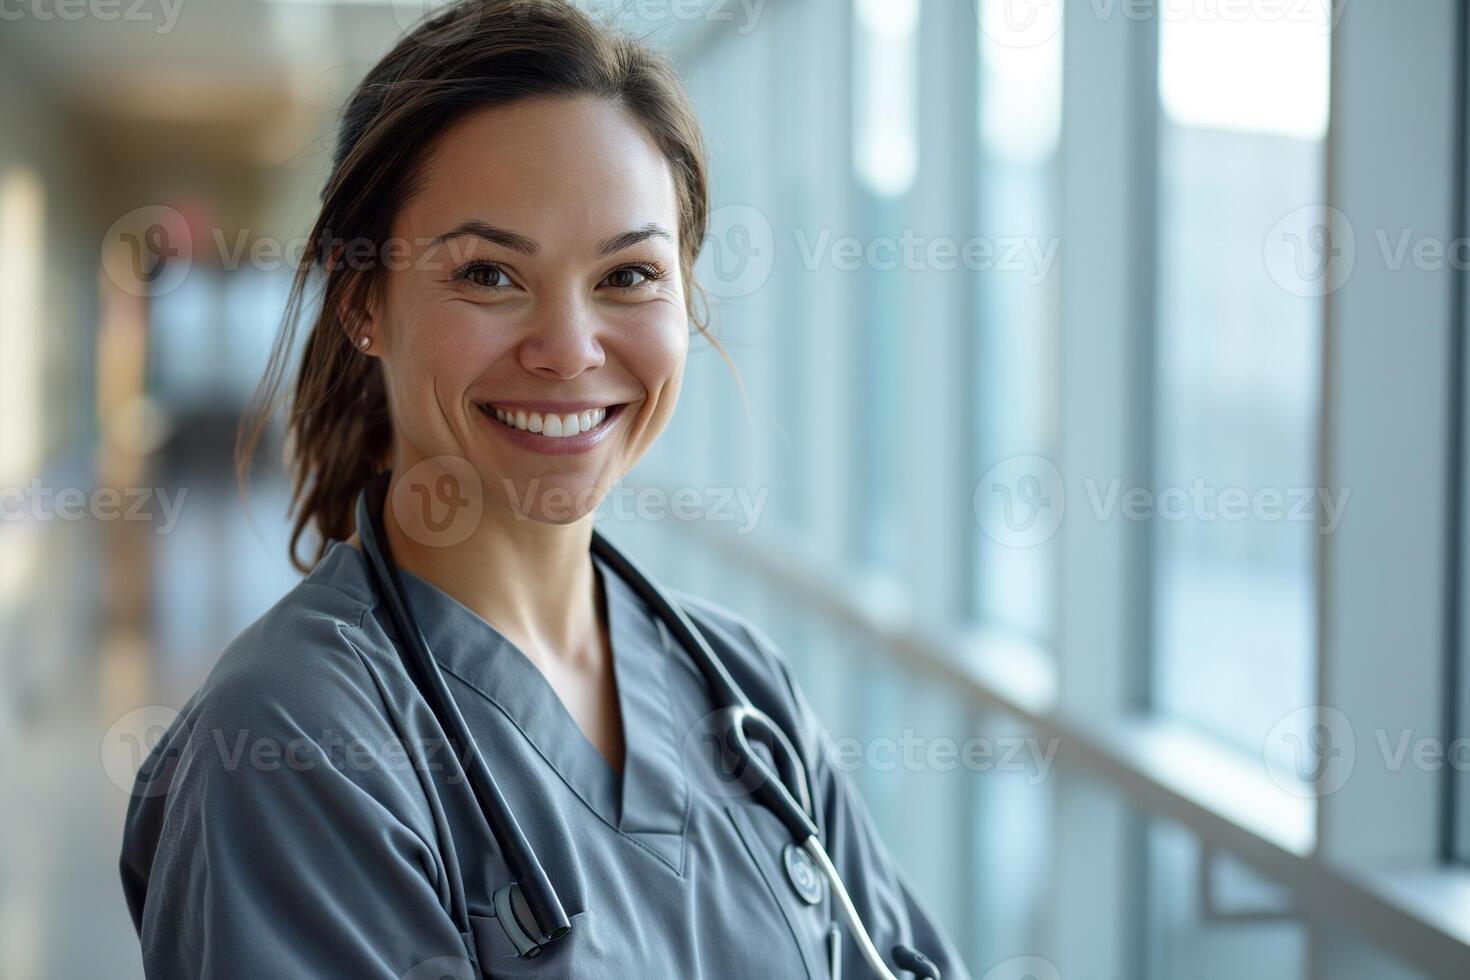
(549, 501)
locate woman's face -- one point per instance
(535, 290)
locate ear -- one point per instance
(358, 314)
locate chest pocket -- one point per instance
(574, 955)
(793, 881)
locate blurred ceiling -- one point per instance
(183, 59)
(213, 99)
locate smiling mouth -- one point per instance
(553, 425)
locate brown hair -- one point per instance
(475, 54)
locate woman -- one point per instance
(506, 241)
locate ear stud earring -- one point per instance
(364, 342)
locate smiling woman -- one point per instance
(541, 281)
(506, 246)
(445, 266)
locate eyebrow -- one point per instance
(520, 243)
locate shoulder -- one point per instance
(292, 724)
(307, 672)
(302, 661)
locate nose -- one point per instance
(562, 340)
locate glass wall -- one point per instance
(1018, 298)
(886, 161)
(1238, 366)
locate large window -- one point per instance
(1018, 298)
(1239, 328)
(886, 160)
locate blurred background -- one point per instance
(1101, 472)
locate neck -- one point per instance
(533, 582)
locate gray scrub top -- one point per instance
(299, 820)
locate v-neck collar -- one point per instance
(649, 799)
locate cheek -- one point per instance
(439, 352)
(657, 353)
(454, 342)
(661, 358)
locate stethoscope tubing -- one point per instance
(739, 720)
(551, 919)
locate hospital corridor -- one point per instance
(1077, 406)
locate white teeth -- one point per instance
(556, 426)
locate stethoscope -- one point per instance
(528, 907)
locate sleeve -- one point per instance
(286, 848)
(879, 888)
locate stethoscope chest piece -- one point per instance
(803, 874)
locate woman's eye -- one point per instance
(486, 274)
(633, 276)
